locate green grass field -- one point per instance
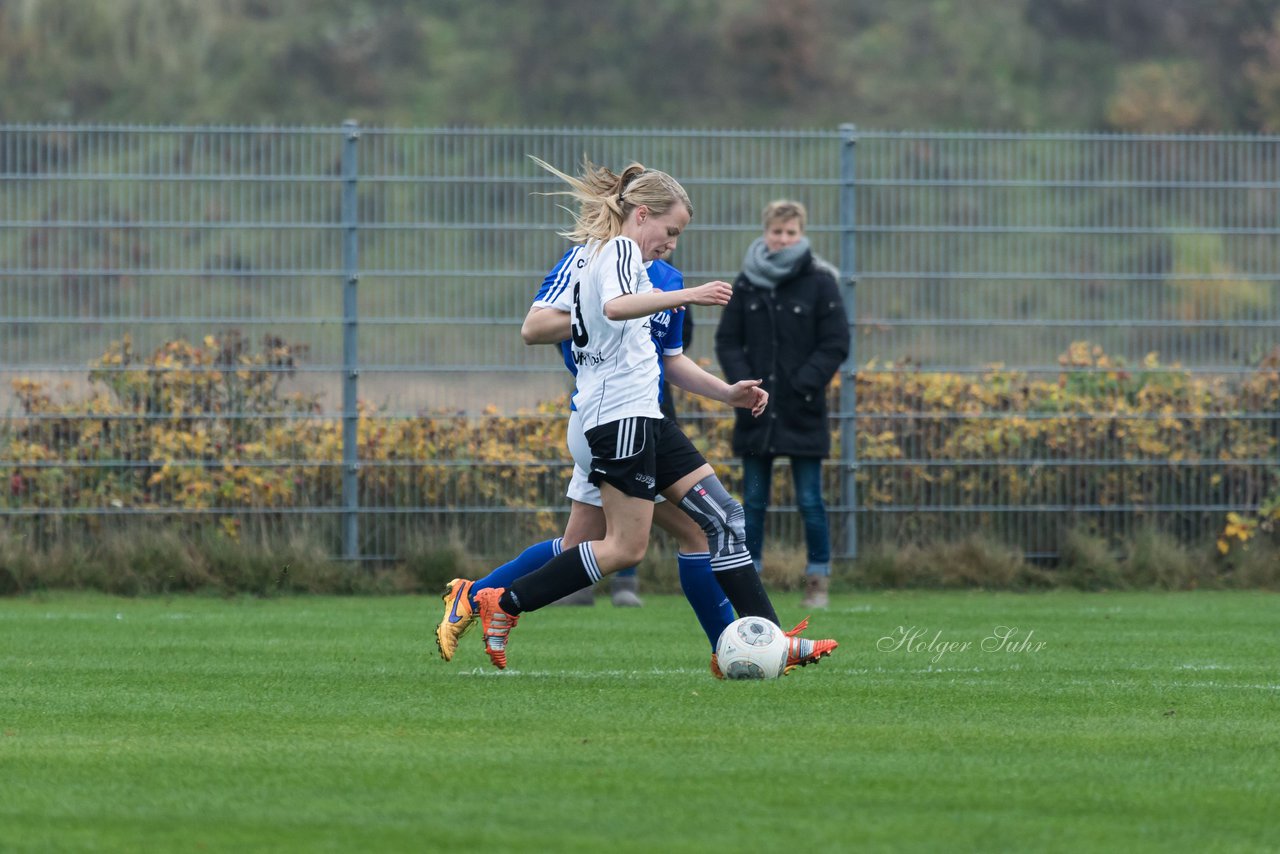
(1141, 722)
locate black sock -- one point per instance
(746, 593)
(567, 572)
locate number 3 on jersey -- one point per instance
(578, 327)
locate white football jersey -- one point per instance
(618, 372)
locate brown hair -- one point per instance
(605, 199)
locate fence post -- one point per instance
(848, 371)
(350, 369)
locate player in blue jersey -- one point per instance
(547, 323)
(627, 221)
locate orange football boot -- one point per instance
(803, 651)
(496, 625)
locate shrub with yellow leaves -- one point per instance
(205, 430)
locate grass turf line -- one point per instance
(1145, 722)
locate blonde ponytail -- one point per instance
(605, 199)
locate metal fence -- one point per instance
(315, 329)
(1102, 309)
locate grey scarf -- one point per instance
(766, 269)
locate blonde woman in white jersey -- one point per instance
(627, 220)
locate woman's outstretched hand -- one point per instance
(747, 394)
(712, 293)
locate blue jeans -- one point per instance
(806, 474)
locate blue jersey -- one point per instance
(557, 292)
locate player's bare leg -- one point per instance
(586, 523)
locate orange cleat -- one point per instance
(803, 651)
(715, 667)
(458, 617)
(496, 625)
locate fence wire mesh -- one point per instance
(315, 330)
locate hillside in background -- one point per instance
(1123, 65)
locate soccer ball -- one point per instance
(752, 648)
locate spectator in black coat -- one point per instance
(786, 323)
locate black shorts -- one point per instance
(641, 456)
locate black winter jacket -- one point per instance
(794, 337)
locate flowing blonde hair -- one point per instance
(605, 199)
